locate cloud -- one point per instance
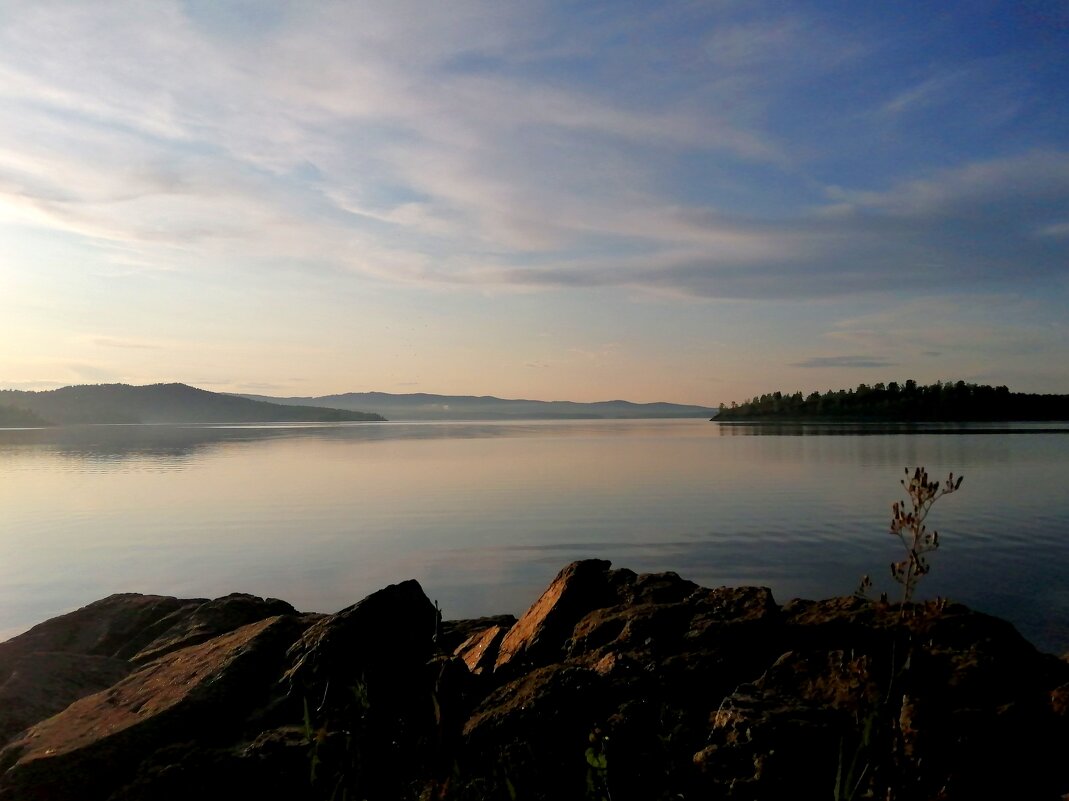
(440, 147)
(976, 227)
(354, 128)
(930, 91)
(952, 334)
(120, 342)
(844, 362)
(95, 373)
(256, 386)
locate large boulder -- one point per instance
(82, 652)
(538, 636)
(74, 655)
(390, 630)
(204, 692)
(110, 627)
(361, 677)
(543, 634)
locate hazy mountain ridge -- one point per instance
(157, 403)
(426, 406)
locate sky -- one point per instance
(679, 201)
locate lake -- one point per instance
(485, 514)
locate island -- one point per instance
(906, 402)
(613, 685)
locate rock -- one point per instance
(634, 661)
(38, 685)
(691, 621)
(454, 632)
(936, 702)
(1059, 701)
(389, 629)
(186, 626)
(109, 627)
(479, 651)
(362, 676)
(74, 655)
(539, 635)
(587, 605)
(783, 732)
(80, 653)
(196, 693)
(545, 718)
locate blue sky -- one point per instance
(680, 201)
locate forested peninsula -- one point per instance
(907, 402)
(155, 403)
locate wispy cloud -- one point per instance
(846, 362)
(370, 139)
(122, 342)
(930, 91)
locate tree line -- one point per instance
(939, 402)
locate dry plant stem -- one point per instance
(879, 746)
(911, 530)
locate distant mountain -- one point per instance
(422, 406)
(158, 403)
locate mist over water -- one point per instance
(484, 514)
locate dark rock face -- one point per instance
(613, 685)
(363, 678)
(388, 630)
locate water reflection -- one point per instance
(116, 442)
(484, 514)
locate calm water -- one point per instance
(484, 514)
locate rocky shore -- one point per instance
(612, 686)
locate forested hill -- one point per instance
(908, 402)
(14, 417)
(156, 403)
